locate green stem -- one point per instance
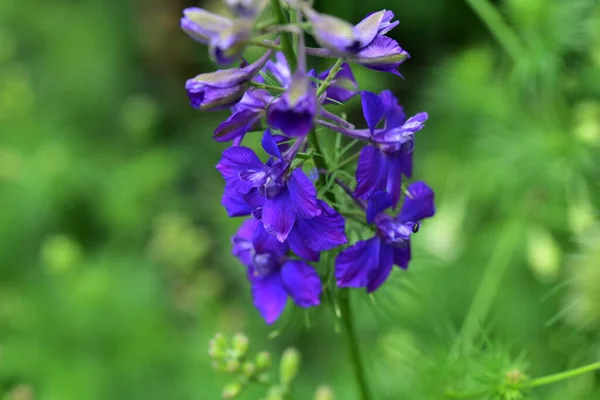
(287, 43)
(330, 77)
(266, 45)
(267, 87)
(488, 288)
(545, 380)
(501, 31)
(348, 323)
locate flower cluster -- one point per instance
(289, 225)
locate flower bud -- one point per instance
(275, 393)
(239, 345)
(289, 365)
(232, 390)
(543, 254)
(324, 392)
(202, 25)
(249, 369)
(217, 347)
(246, 8)
(223, 88)
(232, 365)
(263, 360)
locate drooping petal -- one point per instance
(371, 172)
(372, 109)
(418, 203)
(242, 247)
(384, 267)
(378, 202)
(407, 159)
(354, 265)
(269, 296)
(383, 54)
(343, 87)
(302, 283)
(237, 125)
(234, 203)
(402, 256)
(303, 194)
(323, 232)
(270, 145)
(241, 168)
(265, 243)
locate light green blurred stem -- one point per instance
(501, 31)
(545, 380)
(287, 43)
(348, 323)
(488, 288)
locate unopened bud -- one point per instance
(324, 392)
(232, 366)
(239, 345)
(232, 390)
(514, 377)
(275, 393)
(263, 360)
(217, 347)
(289, 365)
(248, 369)
(263, 378)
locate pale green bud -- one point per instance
(248, 369)
(289, 365)
(239, 345)
(232, 365)
(543, 254)
(217, 347)
(275, 393)
(232, 390)
(263, 360)
(324, 392)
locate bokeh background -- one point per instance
(114, 250)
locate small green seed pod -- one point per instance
(263, 360)
(289, 365)
(232, 390)
(239, 345)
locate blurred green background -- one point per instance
(116, 266)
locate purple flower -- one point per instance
(294, 111)
(246, 8)
(245, 117)
(365, 43)
(223, 88)
(226, 37)
(343, 87)
(273, 276)
(282, 196)
(368, 263)
(389, 155)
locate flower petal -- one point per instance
(370, 173)
(418, 203)
(279, 215)
(393, 183)
(265, 243)
(298, 244)
(242, 247)
(354, 265)
(269, 296)
(302, 283)
(234, 203)
(378, 202)
(241, 168)
(383, 54)
(368, 28)
(372, 109)
(333, 33)
(303, 194)
(202, 25)
(384, 267)
(270, 145)
(402, 256)
(393, 112)
(237, 125)
(343, 87)
(323, 232)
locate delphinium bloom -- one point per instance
(368, 263)
(364, 43)
(272, 274)
(294, 111)
(390, 153)
(291, 224)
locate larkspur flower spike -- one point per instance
(291, 223)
